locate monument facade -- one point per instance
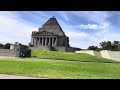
(50, 36)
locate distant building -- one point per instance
(51, 37)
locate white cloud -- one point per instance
(76, 34)
(105, 30)
(112, 37)
(81, 45)
(95, 26)
(14, 29)
(89, 26)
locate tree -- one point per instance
(1, 45)
(106, 45)
(7, 46)
(118, 47)
(92, 48)
(114, 47)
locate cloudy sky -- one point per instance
(84, 28)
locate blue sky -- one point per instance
(84, 28)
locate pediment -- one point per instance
(44, 33)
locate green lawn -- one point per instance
(68, 56)
(59, 69)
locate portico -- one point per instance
(44, 40)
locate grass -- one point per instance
(59, 69)
(68, 56)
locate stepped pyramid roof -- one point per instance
(52, 26)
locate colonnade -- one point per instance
(45, 41)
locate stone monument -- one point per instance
(50, 37)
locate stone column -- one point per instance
(31, 40)
(46, 41)
(42, 40)
(34, 41)
(53, 41)
(38, 40)
(56, 42)
(49, 41)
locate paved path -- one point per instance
(4, 76)
(7, 57)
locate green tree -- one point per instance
(118, 47)
(92, 48)
(106, 45)
(1, 45)
(7, 46)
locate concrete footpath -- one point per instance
(4, 76)
(7, 57)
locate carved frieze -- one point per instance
(44, 33)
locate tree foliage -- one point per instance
(92, 48)
(106, 45)
(5, 46)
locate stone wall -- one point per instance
(55, 48)
(105, 54)
(91, 52)
(14, 50)
(8, 52)
(97, 53)
(65, 49)
(40, 48)
(60, 48)
(52, 48)
(72, 49)
(114, 55)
